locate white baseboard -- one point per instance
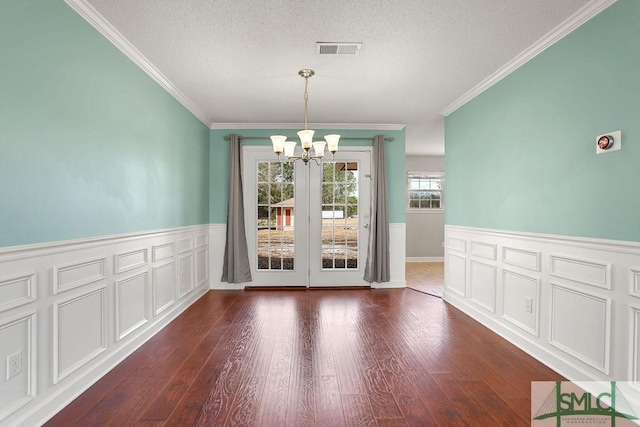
(221, 286)
(568, 282)
(393, 284)
(113, 292)
(425, 259)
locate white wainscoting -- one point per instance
(218, 237)
(18, 336)
(634, 340)
(131, 303)
(482, 281)
(572, 303)
(397, 254)
(163, 286)
(74, 309)
(17, 290)
(185, 274)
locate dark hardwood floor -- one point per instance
(316, 357)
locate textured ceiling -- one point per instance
(237, 61)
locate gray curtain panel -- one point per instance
(377, 267)
(236, 267)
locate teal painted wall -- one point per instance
(521, 156)
(394, 156)
(89, 144)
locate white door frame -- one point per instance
(304, 273)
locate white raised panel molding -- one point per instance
(131, 304)
(185, 275)
(456, 244)
(584, 328)
(18, 334)
(96, 325)
(78, 274)
(202, 240)
(482, 278)
(580, 325)
(592, 273)
(130, 260)
(634, 282)
(163, 279)
(79, 331)
(483, 250)
(456, 274)
(523, 258)
(202, 266)
(164, 251)
(17, 290)
(516, 288)
(185, 245)
(634, 350)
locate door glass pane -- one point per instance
(276, 216)
(340, 216)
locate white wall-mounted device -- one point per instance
(608, 142)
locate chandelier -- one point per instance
(280, 143)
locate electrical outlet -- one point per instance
(528, 304)
(14, 365)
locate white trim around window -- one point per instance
(425, 192)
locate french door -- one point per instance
(307, 225)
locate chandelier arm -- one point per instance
(306, 136)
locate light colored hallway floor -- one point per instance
(426, 277)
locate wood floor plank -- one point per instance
(219, 403)
(162, 405)
(273, 407)
(466, 403)
(188, 409)
(301, 398)
(329, 403)
(494, 404)
(436, 400)
(357, 410)
(414, 412)
(380, 397)
(387, 357)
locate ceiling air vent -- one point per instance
(323, 48)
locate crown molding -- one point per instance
(587, 12)
(93, 17)
(341, 126)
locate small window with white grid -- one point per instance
(425, 190)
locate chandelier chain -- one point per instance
(306, 99)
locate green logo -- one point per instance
(610, 403)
